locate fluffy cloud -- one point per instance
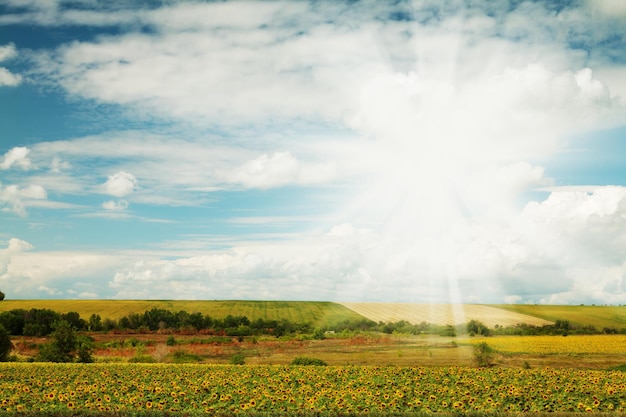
(16, 199)
(6, 77)
(15, 246)
(278, 169)
(25, 273)
(17, 156)
(120, 184)
(433, 128)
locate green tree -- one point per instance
(5, 344)
(95, 323)
(475, 327)
(84, 347)
(1, 296)
(63, 345)
(483, 355)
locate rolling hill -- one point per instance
(321, 314)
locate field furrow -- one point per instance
(442, 314)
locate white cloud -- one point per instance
(445, 120)
(7, 52)
(14, 246)
(278, 169)
(16, 199)
(7, 78)
(120, 184)
(17, 156)
(118, 205)
(25, 273)
(57, 165)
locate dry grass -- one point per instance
(443, 314)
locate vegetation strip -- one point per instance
(129, 388)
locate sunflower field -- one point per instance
(196, 389)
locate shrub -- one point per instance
(5, 344)
(306, 361)
(63, 345)
(238, 359)
(483, 355)
(181, 356)
(142, 359)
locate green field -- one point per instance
(597, 316)
(319, 314)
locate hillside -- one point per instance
(319, 314)
(444, 314)
(581, 315)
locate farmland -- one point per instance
(444, 314)
(367, 372)
(581, 315)
(316, 313)
(129, 388)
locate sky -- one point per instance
(413, 151)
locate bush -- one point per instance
(5, 344)
(238, 359)
(84, 346)
(483, 355)
(306, 361)
(142, 359)
(181, 356)
(63, 345)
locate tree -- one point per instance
(1, 296)
(95, 323)
(63, 344)
(483, 355)
(5, 344)
(84, 346)
(475, 327)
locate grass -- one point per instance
(597, 316)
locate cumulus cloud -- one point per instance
(438, 129)
(17, 156)
(15, 246)
(26, 273)
(120, 184)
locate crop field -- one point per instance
(317, 313)
(443, 314)
(582, 315)
(320, 314)
(333, 389)
(583, 345)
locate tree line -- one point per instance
(41, 323)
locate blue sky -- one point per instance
(420, 151)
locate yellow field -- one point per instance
(283, 390)
(558, 345)
(443, 314)
(316, 313)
